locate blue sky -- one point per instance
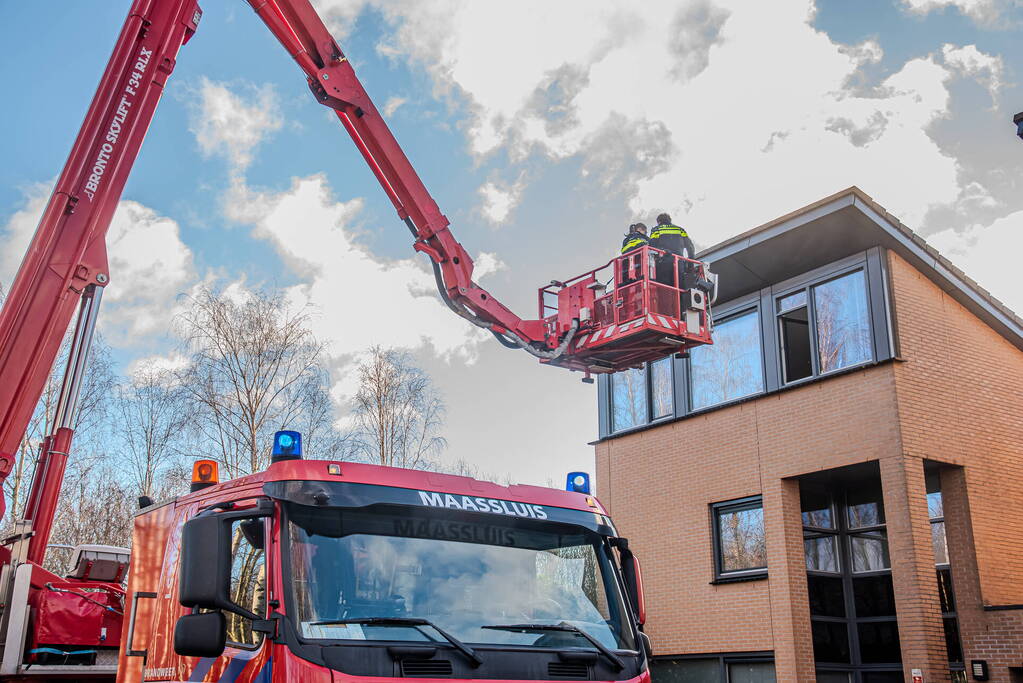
(542, 129)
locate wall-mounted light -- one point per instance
(978, 667)
(1018, 120)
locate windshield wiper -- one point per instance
(405, 621)
(566, 627)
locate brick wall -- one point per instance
(959, 395)
(659, 484)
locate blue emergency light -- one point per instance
(578, 482)
(287, 446)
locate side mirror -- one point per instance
(633, 575)
(206, 557)
(200, 635)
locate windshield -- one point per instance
(460, 571)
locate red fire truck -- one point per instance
(394, 538)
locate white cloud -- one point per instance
(971, 62)
(500, 199)
(988, 254)
(670, 122)
(486, 264)
(361, 300)
(986, 13)
(393, 104)
(149, 266)
(230, 125)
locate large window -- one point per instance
(852, 599)
(814, 325)
(824, 327)
(732, 367)
(643, 394)
(739, 539)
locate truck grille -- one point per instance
(425, 668)
(573, 670)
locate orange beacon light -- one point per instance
(204, 473)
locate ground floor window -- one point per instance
(849, 580)
(720, 668)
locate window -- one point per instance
(824, 327)
(946, 595)
(643, 394)
(739, 538)
(730, 368)
(248, 580)
(848, 576)
(712, 669)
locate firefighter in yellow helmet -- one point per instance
(635, 238)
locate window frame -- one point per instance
(809, 286)
(724, 507)
(723, 660)
(266, 590)
(879, 318)
(648, 393)
(744, 307)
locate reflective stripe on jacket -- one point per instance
(662, 230)
(634, 240)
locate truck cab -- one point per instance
(325, 571)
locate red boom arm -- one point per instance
(66, 261)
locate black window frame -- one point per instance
(933, 485)
(882, 347)
(724, 507)
(648, 392)
(724, 659)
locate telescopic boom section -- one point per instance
(67, 255)
(333, 81)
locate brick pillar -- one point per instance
(790, 606)
(913, 573)
(962, 556)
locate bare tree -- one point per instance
(153, 410)
(89, 422)
(398, 411)
(254, 368)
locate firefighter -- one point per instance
(635, 238)
(674, 240)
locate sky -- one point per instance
(542, 129)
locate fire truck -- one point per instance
(427, 576)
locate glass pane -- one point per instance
(879, 642)
(628, 399)
(741, 534)
(864, 506)
(935, 506)
(660, 388)
(940, 544)
(685, 670)
(816, 507)
(827, 599)
(751, 672)
(869, 552)
(731, 367)
(821, 554)
(883, 677)
(792, 301)
(832, 677)
(843, 322)
(795, 343)
(874, 596)
(945, 594)
(830, 641)
(248, 580)
(952, 644)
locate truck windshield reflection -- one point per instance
(454, 570)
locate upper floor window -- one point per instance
(640, 395)
(730, 368)
(825, 327)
